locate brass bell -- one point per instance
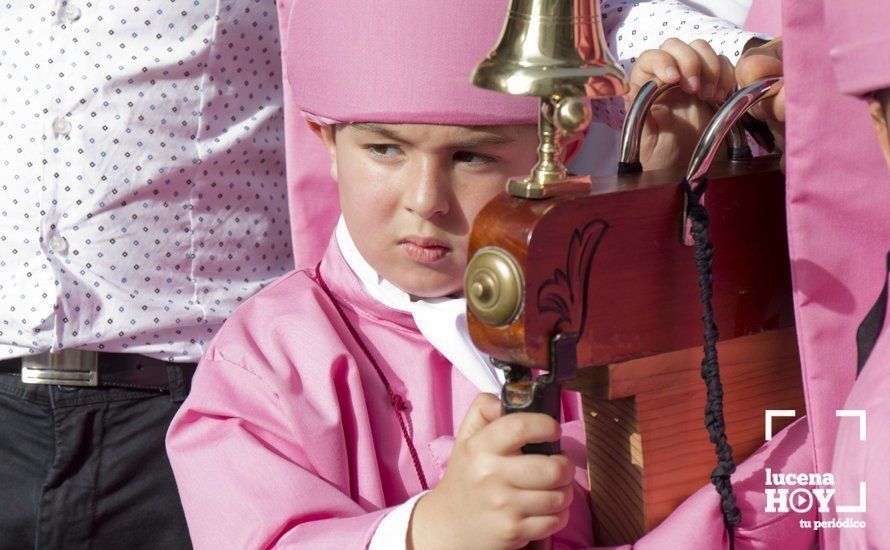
(555, 50)
(552, 48)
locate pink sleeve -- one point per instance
(244, 475)
(859, 42)
(698, 523)
(861, 451)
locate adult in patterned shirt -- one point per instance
(143, 198)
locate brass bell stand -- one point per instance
(554, 50)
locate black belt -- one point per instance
(123, 370)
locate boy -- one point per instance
(331, 401)
(296, 429)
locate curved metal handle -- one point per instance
(632, 131)
(727, 118)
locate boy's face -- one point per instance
(410, 192)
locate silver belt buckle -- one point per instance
(70, 367)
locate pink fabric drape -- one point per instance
(838, 195)
(313, 204)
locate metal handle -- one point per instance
(727, 118)
(632, 131)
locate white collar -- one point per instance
(442, 321)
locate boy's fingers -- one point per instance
(543, 503)
(541, 527)
(484, 409)
(654, 65)
(772, 107)
(757, 64)
(727, 78)
(778, 105)
(773, 49)
(509, 433)
(538, 472)
(688, 61)
(710, 69)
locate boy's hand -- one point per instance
(696, 67)
(491, 495)
(675, 123)
(759, 63)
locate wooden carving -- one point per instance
(565, 294)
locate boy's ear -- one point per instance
(325, 132)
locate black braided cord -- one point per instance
(710, 368)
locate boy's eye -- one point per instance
(472, 158)
(383, 150)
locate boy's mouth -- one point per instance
(424, 250)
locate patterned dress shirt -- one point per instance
(142, 188)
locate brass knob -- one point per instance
(494, 286)
(573, 115)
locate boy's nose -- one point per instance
(429, 193)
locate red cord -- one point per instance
(398, 404)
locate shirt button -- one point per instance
(71, 13)
(58, 244)
(61, 126)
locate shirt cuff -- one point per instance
(392, 531)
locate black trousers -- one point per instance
(87, 468)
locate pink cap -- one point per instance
(398, 61)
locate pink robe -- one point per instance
(698, 523)
(866, 461)
(838, 216)
(838, 209)
(288, 437)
